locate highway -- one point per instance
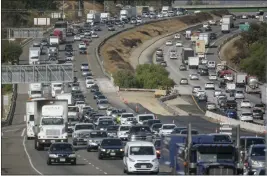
(19, 155)
(176, 74)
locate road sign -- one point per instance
(42, 21)
(200, 46)
(26, 32)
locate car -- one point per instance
(229, 77)
(96, 122)
(159, 52)
(166, 129)
(182, 67)
(177, 130)
(44, 42)
(193, 132)
(163, 63)
(209, 86)
(211, 106)
(212, 22)
(111, 148)
(157, 144)
(173, 56)
(255, 158)
(213, 36)
(179, 44)
(155, 128)
(82, 45)
(257, 114)
(102, 104)
(140, 133)
(205, 25)
(111, 28)
(150, 122)
(80, 104)
(177, 36)
(133, 21)
(160, 15)
(173, 52)
(104, 124)
(95, 138)
(245, 104)
(112, 131)
(81, 35)
(217, 93)
(194, 77)
(231, 113)
(207, 29)
(61, 152)
(139, 20)
(84, 66)
(168, 43)
(81, 137)
(77, 38)
(195, 89)
(94, 88)
(212, 77)
(101, 97)
(88, 38)
(123, 117)
(133, 151)
(239, 94)
(122, 132)
(97, 28)
(120, 25)
(86, 42)
(246, 116)
(69, 57)
(159, 58)
(183, 81)
(86, 72)
(131, 121)
(97, 94)
(89, 84)
(94, 35)
(260, 106)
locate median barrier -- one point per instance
(137, 90)
(165, 106)
(243, 125)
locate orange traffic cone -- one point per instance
(136, 108)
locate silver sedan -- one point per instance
(194, 77)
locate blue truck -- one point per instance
(202, 154)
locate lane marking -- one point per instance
(105, 173)
(93, 165)
(97, 168)
(85, 159)
(10, 130)
(23, 132)
(197, 104)
(29, 158)
(89, 163)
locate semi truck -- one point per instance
(202, 154)
(53, 40)
(65, 96)
(57, 88)
(128, 13)
(240, 80)
(104, 17)
(50, 122)
(186, 53)
(188, 34)
(228, 19)
(34, 55)
(35, 90)
(93, 17)
(61, 33)
(193, 62)
(206, 38)
(252, 85)
(225, 28)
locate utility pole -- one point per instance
(63, 9)
(264, 94)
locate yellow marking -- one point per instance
(197, 104)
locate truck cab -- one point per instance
(56, 88)
(35, 90)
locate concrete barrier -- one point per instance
(165, 106)
(137, 90)
(243, 125)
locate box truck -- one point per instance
(35, 90)
(193, 62)
(65, 96)
(225, 28)
(240, 80)
(128, 13)
(186, 53)
(34, 55)
(228, 19)
(93, 18)
(206, 38)
(57, 88)
(104, 17)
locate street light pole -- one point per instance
(63, 9)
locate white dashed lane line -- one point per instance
(97, 168)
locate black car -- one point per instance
(110, 148)
(213, 36)
(61, 152)
(68, 48)
(178, 130)
(44, 42)
(97, 94)
(153, 121)
(112, 130)
(95, 88)
(157, 144)
(97, 28)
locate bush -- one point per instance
(11, 52)
(7, 88)
(146, 76)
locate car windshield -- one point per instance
(142, 150)
(112, 128)
(111, 142)
(157, 126)
(127, 115)
(140, 129)
(168, 127)
(61, 147)
(84, 127)
(52, 121)
(125, 128)
(247, 114)
(103, 102)
(98, 134)
(251, 141)
(105, 123)
(258, 151)
(80, 102)
(143, 118)
(257, 111)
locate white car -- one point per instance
(194, 77)
(139, 20)
(211, 64)
(123, 117)
(212, 77)
(173, 56)
(204, 61)
(205, 25)
(211, 106)
(239, 94)
(212, 22)
(160, 15)
(166, 129)
(94, 35)
(123, 132)
(82, 45)
(217, 93)
(173, 52)
(77, 38)
(246, 116)
(169, 43)
(179, 44)
(177, 36)
(80, 105)
(81, 35)
(229, 77)
(109, 111)
(209, 86)
(245, 104)
(244, 17)
(89, 83)
(140, 150)
(88, 78)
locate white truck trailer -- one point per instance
(57, 88)
(53, 40)
(93, 18)
(128, 13)
(35, 90)
(104, 17)
(51, 122)
(240, 80)
(206, 38)
(34, 55)
(230, 87)
(228, 19)
(225, 28)
(165, 10)
(188, 34)
(264, 94)
(65, 96)
(193, 62)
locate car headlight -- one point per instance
(74, 135)
(52, 155)
(155, 160)
(103, 150)
(72, 155)
(130, 159)
(121, 150)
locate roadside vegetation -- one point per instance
(250, 51)
(147, 76)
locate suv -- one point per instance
(139, 133)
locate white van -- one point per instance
(211, 64)
(140, 150)
(140, 118)
(35, 90)
(124, 116)
(56, 88)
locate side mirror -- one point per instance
(125, 154)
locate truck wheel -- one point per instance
(48, 162)
(38, 146)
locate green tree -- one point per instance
(125, 79)
(11, 52)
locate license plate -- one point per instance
(62, 159)
(53, 141)
(112, 154)
(143, 166)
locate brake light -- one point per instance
(246, 164)
(158, 152)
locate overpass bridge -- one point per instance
(262, 6)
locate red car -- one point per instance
(86, 42)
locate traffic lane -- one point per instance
(39, 159)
